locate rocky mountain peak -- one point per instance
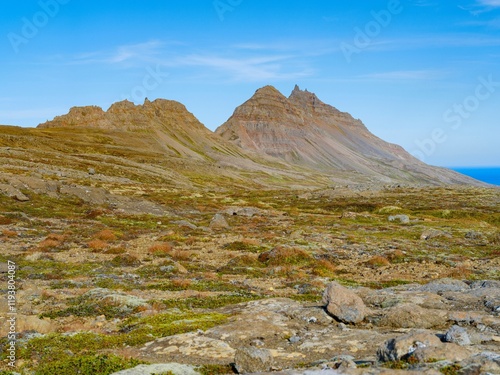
(125, 115)
(121, 107)
(268, 91)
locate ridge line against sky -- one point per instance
(420, 73)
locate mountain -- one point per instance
(270, 142)
(166, 126)
(304, 131)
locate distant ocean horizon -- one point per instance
(490, 175)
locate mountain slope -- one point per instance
(304, 131)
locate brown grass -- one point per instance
(9, 233)
(191, 241)
(56, 237)
(97, 245)
(106, 235)
(324, 268)
(5, 220)
(48, 244)
(115, 250)
(378, 261)
(161, 249)
(461, 272)
(182, 255)
(181, 283)
(285, 255)
(395, 256)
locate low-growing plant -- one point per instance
(324, 268)
(377, 261)
(125, 260)
(161, 249)
(9, 233)
(98, 245)
(97, 364)
(106, 235)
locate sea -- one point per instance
(491, 175)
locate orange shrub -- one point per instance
(181, 283)
(105, 235)
(161, 249)
(9, 233)
(324, 268)
(98, 245)
(378, 261)
(48, 244)
(181, 255)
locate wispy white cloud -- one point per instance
(122, 54)
(249, 69)
(424, 3)
(480, 6)
(404, 75)
(461, 40)
(490, 3)
(491, 23)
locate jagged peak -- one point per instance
(303, 95)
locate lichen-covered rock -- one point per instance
(409, 315)
(251, 360)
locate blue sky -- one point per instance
(421, 73)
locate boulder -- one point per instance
(404, 346)
(457, 335)
(252, 360)
(443, 352)
(343, 304)
(219, 222)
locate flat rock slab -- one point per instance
(191, 348)
(159, 368)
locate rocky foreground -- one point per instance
(446, 326)
(351, 281)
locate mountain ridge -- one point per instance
(270, 139)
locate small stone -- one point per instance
(403, 219)
(294, 339)
(91, 171)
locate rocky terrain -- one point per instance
(142, 243)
